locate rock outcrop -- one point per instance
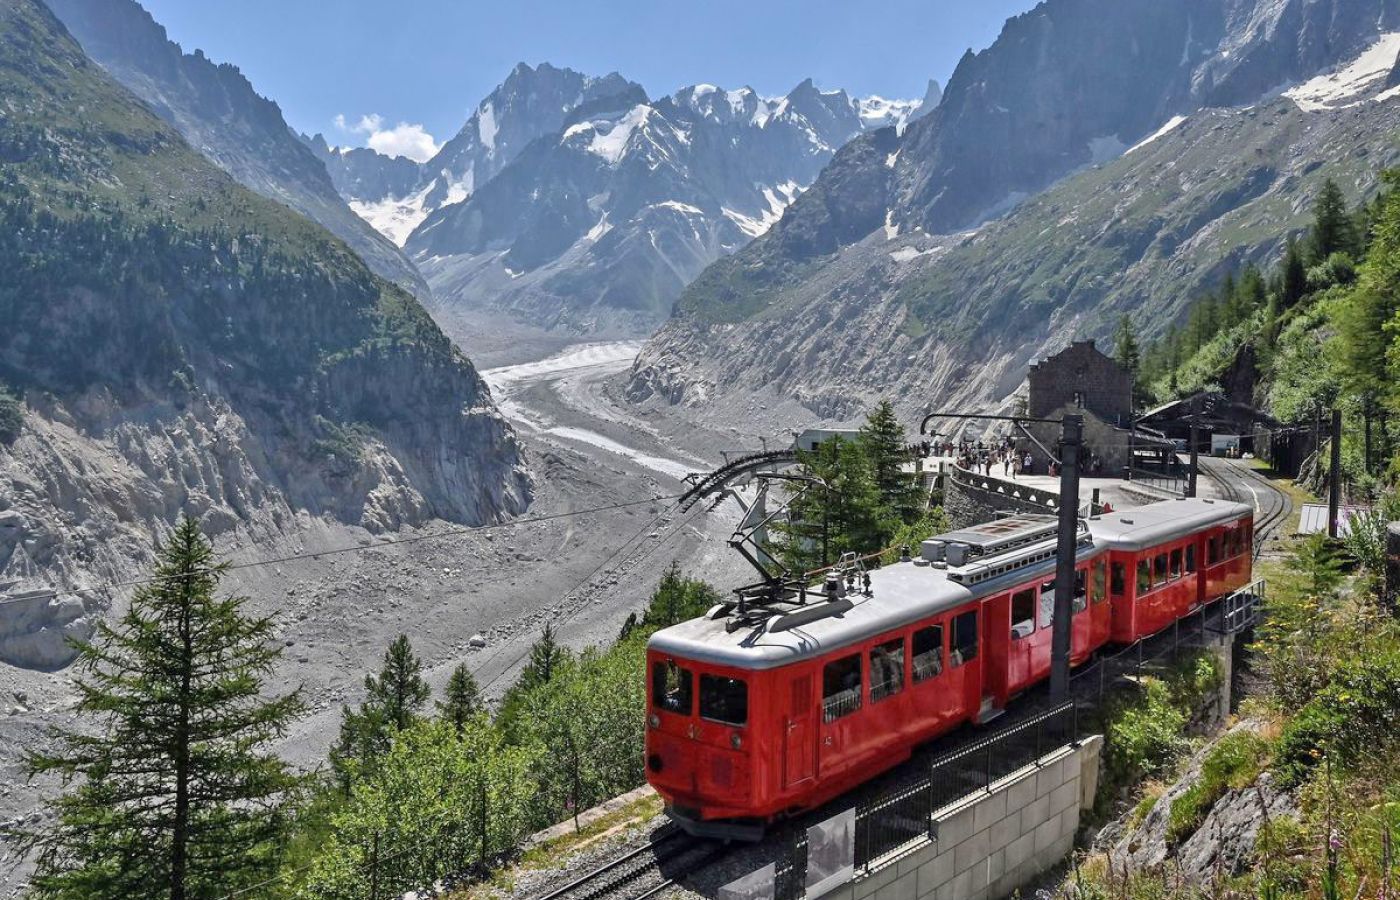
(187, 347)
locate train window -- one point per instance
(928, 653)
(724, 699)
(671, 687)
(1022, 613)
(1120, 579)
(886, 670)
(1190, 557)
(1159, 569)
(1100, 574)
(1212, 549)
(1144, 576)
(1081, 590)
(1047, 604)
(840, 688)
(1176, 563)
(964, 639)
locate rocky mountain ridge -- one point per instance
(599, 226)
(533, 101)
(220, 114)
(186, 346)
(886, 278)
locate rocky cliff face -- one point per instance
(185, 346)
(602, 224)
(219, 113)
(891, 281)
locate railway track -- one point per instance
(1243, 484)
(645, 872)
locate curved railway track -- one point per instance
(1243, 484)
(644, 872)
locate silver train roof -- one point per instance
(910, 591)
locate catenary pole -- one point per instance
(1195, 460)
(1071, 436)
(1334, 477)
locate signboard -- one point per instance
(831, 853)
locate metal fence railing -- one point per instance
(1172, 481)
(901, 816)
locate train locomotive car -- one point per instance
(756, 712)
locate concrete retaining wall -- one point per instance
(993, 842)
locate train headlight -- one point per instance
(736, 741)
(654, 720)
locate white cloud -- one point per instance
(404, 139)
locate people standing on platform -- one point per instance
(1028, 463)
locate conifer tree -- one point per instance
(1125, 347)
(1295, 276)
(399, 691)
(171, 791)
(546, 656)
(883, 440)
(462, 699)
(1333, 228)
(393, 700)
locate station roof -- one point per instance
(910, 591)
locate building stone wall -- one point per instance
(970, 499)
(994, 842)
(1081, 376)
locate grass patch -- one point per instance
(1232, 764)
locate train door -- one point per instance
(962, 699)
(1000, 645)
(799, 738)
(843, 697)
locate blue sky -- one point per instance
(427, 63)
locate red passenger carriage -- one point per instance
(756, 713)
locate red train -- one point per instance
(755, 713)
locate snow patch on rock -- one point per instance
(1335, 89)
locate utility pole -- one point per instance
(1067, 546)
(1071, 436)
(1334, 486)
(1195, 460)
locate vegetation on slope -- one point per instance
(416, 798)
(135, 265)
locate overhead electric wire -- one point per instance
(360, 548)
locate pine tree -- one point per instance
(546, 656)
(1295, 276)
(1125, 347)
(171, 792)
(399, 692)
(1333, 229)
(462, 699)
(883, 440)
(393, 701)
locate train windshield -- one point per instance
(724, 699)
(671, 687)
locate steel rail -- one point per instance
(615, 875)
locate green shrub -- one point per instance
(1354, 718)
(1143, 736)
(11, 417)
